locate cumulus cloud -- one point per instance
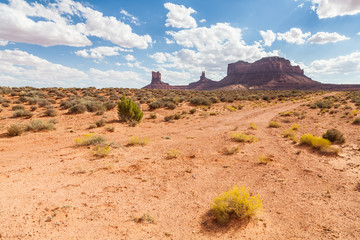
(209, 48)
(268, 36)
(100, 52)
(202, 20)
(31, 70)
(129, 58)
(343, 64)
(19, 68)
(301, 5)
(130, 17)
(334, 8)
(179, 16)
(55, 25)
(325, 37)
(294, 35)
(3, 42)
(168, 41)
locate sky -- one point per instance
(103, 43)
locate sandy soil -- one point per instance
(52, 189)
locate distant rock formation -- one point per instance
(156, 82)
(269, 73)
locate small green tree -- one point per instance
(128, 111)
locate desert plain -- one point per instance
(163, 185)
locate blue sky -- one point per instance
(67, 43)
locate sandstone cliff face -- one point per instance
(156, 82)
(264, 65)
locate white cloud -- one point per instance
(294, 35)
(129, 58)
(19, 68)
(130, 17)
(100, 52)
(339, 65)
(202, 20)
(179, 16)
(55, 25)
(301, 5)
(34, 71)
(325, 37)
(209, 49)
(334, 8)
(3, 42)
(168, 41)
(268, 36)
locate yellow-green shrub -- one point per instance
(253, 126)
(242, 137)
(319, 143)
(173, 153)
(273, 124)
(142, 141)
(295, 126)
(265, 159)
(236, 202)
(89, 139)
(101, 151)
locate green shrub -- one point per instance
(156, 104)
(15, 130)
(192, 111)
(242, 137)
(356, 121)
(153, 116)
(39, 125)
(273, 124)
(89, 139)
(334, 136)
(169, 118)
(128, 111)
(236, 202)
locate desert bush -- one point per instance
(290, 133)
(192, 111)
(101, 151)
(273, 124)
(142, 141)
(50, 112)
(100, 123)
(334, 136)
(265, 159)
(172, 153)
(322, 104)
(170, 105)
(236, 202)
(33, 108)
(356, 121)
(128, 111)
(230, 151)
(5, 104)
(18, 107)
(153, 116)
(22, 113)
(15, 129)
(53, 121)
(156, 104)
(39, 125)
(109, 105)
(253, 126)
(77, 109)
(321, 144)
(90, 139)
(295, 127)
(242, 137)
(200, 101)
(169, 118)
(110, 128)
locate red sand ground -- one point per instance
(51, 189)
